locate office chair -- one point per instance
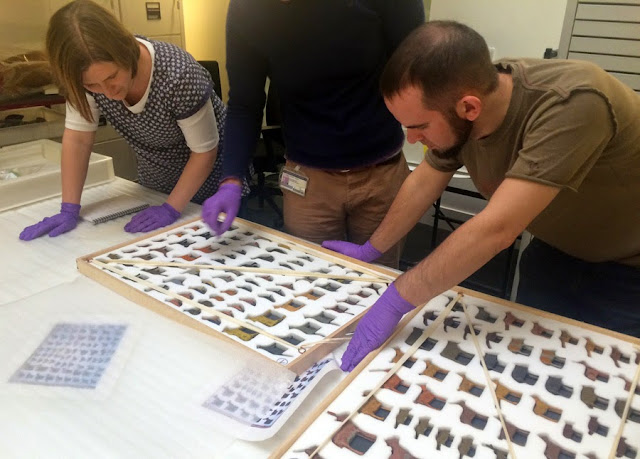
(214, 70)
(269, 157)
(269, 153)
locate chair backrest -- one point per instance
(272, 132)
(214, 70)
(273, 116)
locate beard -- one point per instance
(462, 131)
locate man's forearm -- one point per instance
(466, 250)
(418, 192)
(510, 210)
(193, 176)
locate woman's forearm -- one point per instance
(193, 176)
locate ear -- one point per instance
(469, 107)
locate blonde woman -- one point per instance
(153, 93)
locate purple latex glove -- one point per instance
(60, 223)
(151, 218)
(366, 252)
(227, 200)
(375, 327)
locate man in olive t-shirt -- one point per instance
(554, 145)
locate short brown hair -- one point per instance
(444, 59)
(83, 33)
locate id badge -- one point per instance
(294, 181)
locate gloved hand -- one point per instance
(151, 218)
(375, 327)
(227, 200)
(60, 223)
(366, 252)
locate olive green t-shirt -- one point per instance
(573, 126)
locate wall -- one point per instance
(205, 32)
(204, 23)
(522, 28)
(22, 28)
(515, 28)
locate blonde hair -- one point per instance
(83, 33)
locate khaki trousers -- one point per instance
(345, 205)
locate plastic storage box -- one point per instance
(30, 172)
(34, 123)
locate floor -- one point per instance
(495, 278)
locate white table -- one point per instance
(152, 410)
(46, 262)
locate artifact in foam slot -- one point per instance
(16, 119)
(504, 404)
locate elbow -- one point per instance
(211, 164)
(209, 159)
(202, 164)
(506, 240)
(501, 233)
(213, 156)
(505, 235)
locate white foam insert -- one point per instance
(247, 295)
(574, 411)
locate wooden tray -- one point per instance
(290, 301)
(424, 393)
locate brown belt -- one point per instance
(392, 160)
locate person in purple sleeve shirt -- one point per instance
(153, 93)
(344, 149)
